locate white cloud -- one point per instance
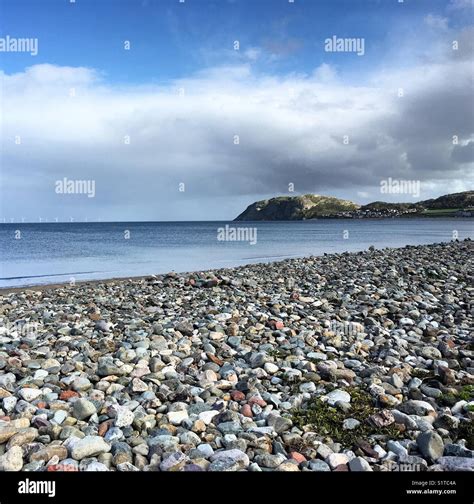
(436, 22)
(461, 4)
(253, 53)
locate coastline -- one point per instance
(186, 247)
(369, 218)
(207, 272)
(342, 362)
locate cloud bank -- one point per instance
(231, 134)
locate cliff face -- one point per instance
(309, 206)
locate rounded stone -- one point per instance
(83, 409)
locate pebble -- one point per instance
(173, 462)
(271, 368)
(319, 465)
(48, 452)
(9, 403)
(12, 460)
(359, 464)
(81, 384)
(324, 451)
(429, 352)
(270, 461)
(337, 396)
(60, 416)
(350, 424)
(397, 448)
(336, 459)
(206, 450)
(238, 456)
(430, 445)
(208, 416)
(279, 424)
(224, 465)
(23, 436)
(89, 446)
(94, 466)
(308, 387)
(83, 409)
(246, 410)
(456, 463)
(383, 418)
(215, 371)
(124, 417)
(288, 467)
(30, 394)
(416, 407)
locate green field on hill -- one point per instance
(441, 211)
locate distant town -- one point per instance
(384, 213)
(373, 213)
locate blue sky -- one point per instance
(182, 108)
(170, 39)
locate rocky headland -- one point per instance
(315, 206)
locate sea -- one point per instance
(47, 253)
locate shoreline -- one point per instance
(57, 285)
(407, 216)
(342, 362)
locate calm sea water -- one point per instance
(53, 253)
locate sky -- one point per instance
(171, 110)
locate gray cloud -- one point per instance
(463, 153)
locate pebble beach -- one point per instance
(346, 362)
